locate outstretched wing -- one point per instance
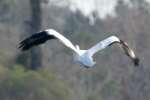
(34, 40)
(42, 37)
(103, 44)
(111, 40)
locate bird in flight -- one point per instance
(84, 57)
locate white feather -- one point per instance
(62, 39)
(102, 44)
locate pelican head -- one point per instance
(129, 52)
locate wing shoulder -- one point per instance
(62, 39)
(103, 44)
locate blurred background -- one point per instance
(47, 72)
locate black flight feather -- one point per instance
(35, 39)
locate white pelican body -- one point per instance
(84, 57)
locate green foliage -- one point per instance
(21, 84)
(2, 57)
(95, 97)
(110, 88)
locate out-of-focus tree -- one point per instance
(33, 58)
(36, 13)
(19, 84)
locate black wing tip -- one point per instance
(35, 39)
(23, 46)
(136, 62)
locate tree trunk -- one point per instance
(36, 53)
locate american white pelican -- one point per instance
(85, 57)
